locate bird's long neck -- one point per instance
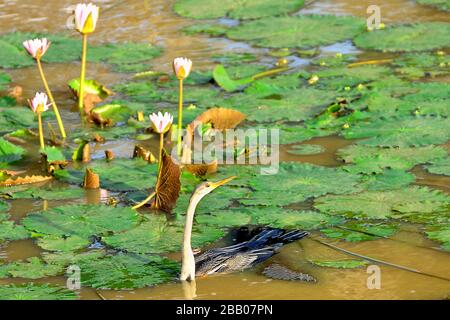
(188, 262)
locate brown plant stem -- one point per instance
(41, 131)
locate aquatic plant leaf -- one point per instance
(303, 31)
(15, 118)
(439, 4)
(109, 114)
(419, 65)
(53, 154)
(372, 159)
(389, 179)
(441, 235)
(158, 235)
(296, 182)
(3, 207)
(168, 184)
(402, 132)
(43, 193)
(13, 57)
(10, 182)
(10, 152)
(306, 149)
(234, 58)
(32, 268)
(439, 166)
(127, 271)
(225, 82)
(287, 218)
(5, 80)
(340, 264)
(214, 30)
(10, 231)
(220, 118)
(32, 291)
(234, 9)
(379, 204)
(118, 175)
(80, 222)
(356, 232)
(405, 38)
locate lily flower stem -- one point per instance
(82, 76)
(180, 118)
(41, 131)
(52, 100)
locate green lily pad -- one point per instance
(127, 271)
(32, 268)
(3, 207)
(439, 4)
(214, 30)
(403, 132)
(10, 231)
(224, 81)
(303, 31)
(114, 112)
(234, 58)
(390, 179)
(379, 204)
(157, 235)
(441, 235)
(15, 118)
(35, 292)
(53, 154)
(356, 232)
(374, 160)
(46, 193)
(90, 87)
(5, 80)
(341, 264)
(405, 38)
(117, 175)
(419, 65)
(235, 9)
(70, 227)
(10, 152)
(297, 182)
(306, 149)
(439, 166)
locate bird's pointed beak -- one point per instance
(221, 182)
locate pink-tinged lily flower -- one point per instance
(86, 16)
(161, 123)
(37, 47)
(182, 67)
(39, 103)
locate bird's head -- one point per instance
(207, 187)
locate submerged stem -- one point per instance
(52, 100)
(41, 131)
(180, 117)
(82, 76)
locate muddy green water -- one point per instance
(153, 21)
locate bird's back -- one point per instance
(245, 254)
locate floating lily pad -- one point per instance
(439, 4)
(356, 232)
(10, 231)
(441, 235)
(157, 235)
(117, 175)
(70, 227)
(405, 38)
(15, 118)
(235, 9)
(297, 182)
(214, 30)
(418, 65)
(440, 166)
(403, 132)
(127, 271)
(303, 31)
(53, 154)
(32, 268)
(374, 160)
(10, 152)
(389, 179)
(306, 149)
(5, 80)
(3, 208)
(341, 264)
(379, 204)
(35, 292)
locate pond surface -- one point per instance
(154, 21)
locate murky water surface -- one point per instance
(153, 21)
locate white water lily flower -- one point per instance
(161, 123)
(86, 16)
(182, 67)
(37, 47)
(39, 103)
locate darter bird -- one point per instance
(237, 257)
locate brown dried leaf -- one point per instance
(109, 155)
(91, 180)
(168, 185)
(220, 118)
(86, 157)
(201, 170)
(24, 180)
(141, 152)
